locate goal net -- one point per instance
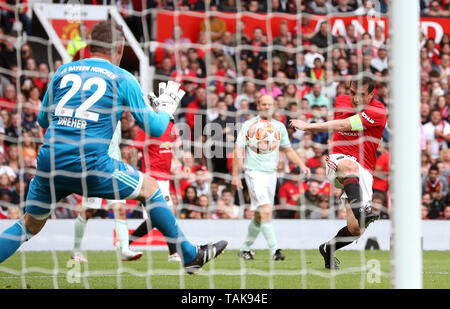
(225, 55)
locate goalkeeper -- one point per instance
(81, 108)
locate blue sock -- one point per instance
(12, 238)
(163, 219)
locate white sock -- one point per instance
(80, 226)
(122, 234)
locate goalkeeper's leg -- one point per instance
(33, 220)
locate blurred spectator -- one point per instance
(321, 7)
(289, 193)
(162, 73)
(437, 134)
(424, 211)
(177, 42)
(366, 9)
(324, 37)
(248, 94)
(202, 182)
(19, 187)
(78, 41)
(214, 25)
(9, 99)
(13, 130)
(225, 207)
(312, 54)
(379, 38)
(444, 67)
(315, 97)
(7, 170)
(380, 63)
(323, 209)
(28, 144)
(10, 11)
(182, 72)
(228, 6)
(316, 160)
(378, 205)
(29, 118)
(435, 184)
(202, 210)
(216, 191)
(317, 73)
(284, 35)
(324, 184)
(239, 37)
(308, 202)
(343, 7)
(432, 51)
(227, 44)
(435, 10)
(381, 173)
(445, 159)
(446, 213)
(196, 111)
(222, 143)
(189, 200)
(257, 53)
(254, 6)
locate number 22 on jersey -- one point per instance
(82, 111)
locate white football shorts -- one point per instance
(164, 186)
(365, 177)
(261, 187)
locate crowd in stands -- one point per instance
(223, 84)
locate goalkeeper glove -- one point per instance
(170, 96)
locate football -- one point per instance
(262, 137)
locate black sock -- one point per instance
(337, 242)
(139, 232)
(172, 248)
(352, 189)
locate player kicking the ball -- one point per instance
(81, 108)
(260, 165)
(359, 121)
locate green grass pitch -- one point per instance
(301, 269)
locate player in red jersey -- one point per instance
(358, 125)
(157, 162)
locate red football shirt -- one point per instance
(383, 162)
(291, 192)
(157, 152)
(360, 144)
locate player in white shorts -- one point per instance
(366, 178)
(260, 176)
(91, 204)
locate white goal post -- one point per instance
(43, 11)
(406, 258)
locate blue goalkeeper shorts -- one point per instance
(108, 178)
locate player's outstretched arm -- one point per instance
(333, 125)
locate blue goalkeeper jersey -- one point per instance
(81, 108)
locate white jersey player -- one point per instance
(91, 204)
(261, 177)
